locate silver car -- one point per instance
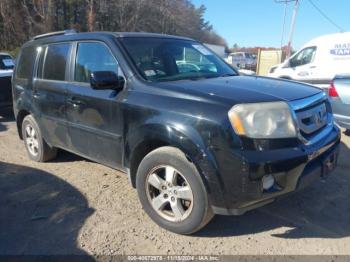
(339, 95)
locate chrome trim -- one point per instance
(323, 133)
(317, 116)
(297, 105)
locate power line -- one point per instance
(325, 16)
(284, 1)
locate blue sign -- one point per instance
(341, 49)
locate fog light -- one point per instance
(267, 182)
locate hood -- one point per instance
(245, 89)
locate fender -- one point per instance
(22, 105)
(188, 140)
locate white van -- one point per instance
(318, 61)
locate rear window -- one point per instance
(53, 64)
(6, 62)
(25, 63)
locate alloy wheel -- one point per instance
(169, 193)
(32, 140)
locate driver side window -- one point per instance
(92, 57)
(304, 57)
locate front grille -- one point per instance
(312, 119)
(312, 115)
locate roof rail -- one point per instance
(64, 32)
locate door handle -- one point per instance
(75, 102)
(36, 95)
(303, 73)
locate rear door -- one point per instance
(50, 90)
(95, 124)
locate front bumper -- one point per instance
(292, 168)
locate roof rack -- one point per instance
(64, 32)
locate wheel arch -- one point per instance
(19, 120)
(152, 136)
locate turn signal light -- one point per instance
(332, 92)
(236, 123)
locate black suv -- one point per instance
(195, 138)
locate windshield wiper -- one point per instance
(226, 75)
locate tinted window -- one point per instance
(92, 57)
(55, 62)
(159, 59)
(25, 63)
(6, 62)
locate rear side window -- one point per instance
(25, 63)
(54, 63)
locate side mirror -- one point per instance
(101, 80)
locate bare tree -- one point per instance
(22, 19)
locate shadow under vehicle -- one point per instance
(40, 214)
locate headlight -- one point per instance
(262, 120)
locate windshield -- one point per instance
(6, 62)
(249, 55)
(161, 59)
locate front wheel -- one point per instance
(171, 191)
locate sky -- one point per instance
(260, 22)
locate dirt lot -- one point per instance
(72, 205)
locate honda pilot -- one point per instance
(194, 137)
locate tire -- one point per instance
(37, 149)
(183, 203)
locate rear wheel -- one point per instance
(171, 191)
(37, 149)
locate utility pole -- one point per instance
(292, 27)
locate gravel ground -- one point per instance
(75, 206)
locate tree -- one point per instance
(22, 19)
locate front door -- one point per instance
(93, 116)
(302, 66)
